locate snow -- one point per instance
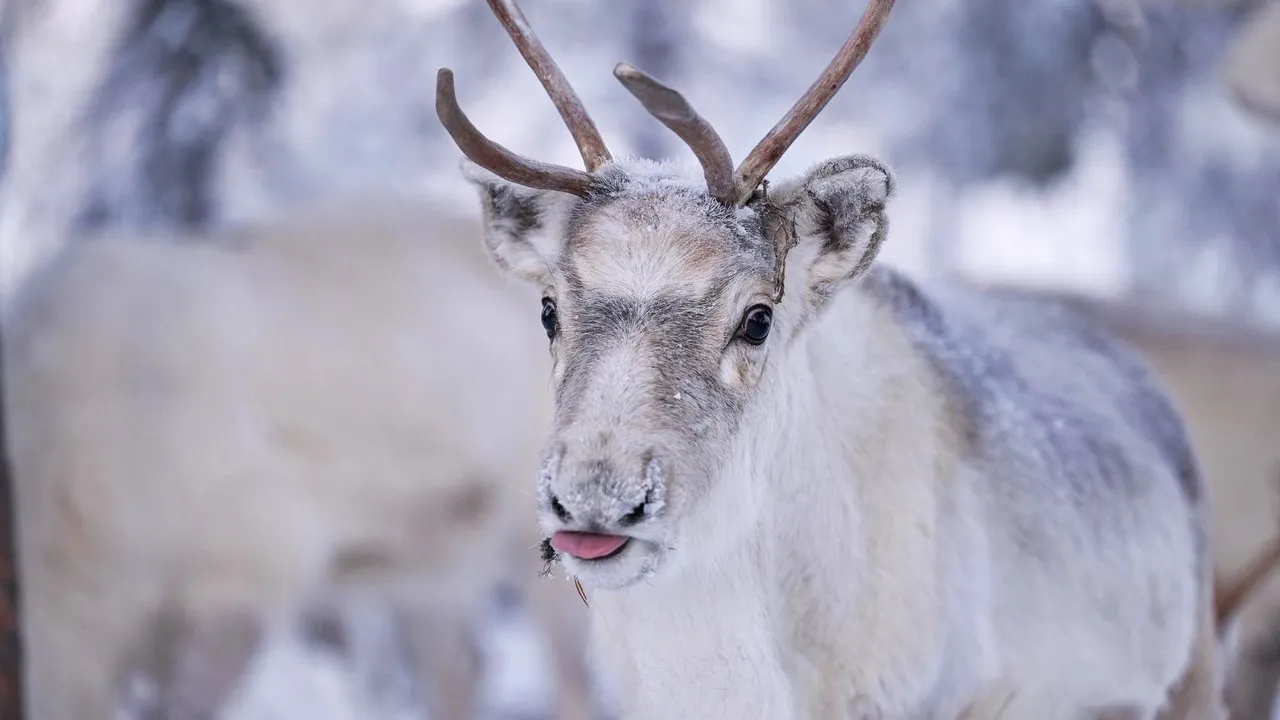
(1039, 145)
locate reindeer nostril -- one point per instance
(559, 510)
(633, 517)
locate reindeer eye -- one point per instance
(756, 324)
(550, 322)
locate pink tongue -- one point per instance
(587, 546)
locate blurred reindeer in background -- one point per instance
(260, 427)
(213, 436)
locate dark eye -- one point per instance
(756, 324)
(550, 322)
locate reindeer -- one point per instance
(797, 484)
(213, 436)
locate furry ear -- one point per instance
(837, 214)
(523, 227)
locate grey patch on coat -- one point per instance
(1068, 414)
(667, 328)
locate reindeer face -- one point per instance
(663, 311)
(660, 297)
(662, 302)
(658, 304)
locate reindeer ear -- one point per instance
(838, 213)
(523, 227)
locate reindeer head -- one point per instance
(663, 299)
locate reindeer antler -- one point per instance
(770, 149)
(501, 161)
(664, 103)
(583, 129)
(495, 158)
(672, 110)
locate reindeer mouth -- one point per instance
(589, 546)
(605, 562)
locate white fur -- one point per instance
(849, 556)
(889, 607)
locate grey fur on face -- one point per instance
(651, 280)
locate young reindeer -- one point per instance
(797, 485)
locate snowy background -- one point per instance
(1082, 146)
(1065, 145)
